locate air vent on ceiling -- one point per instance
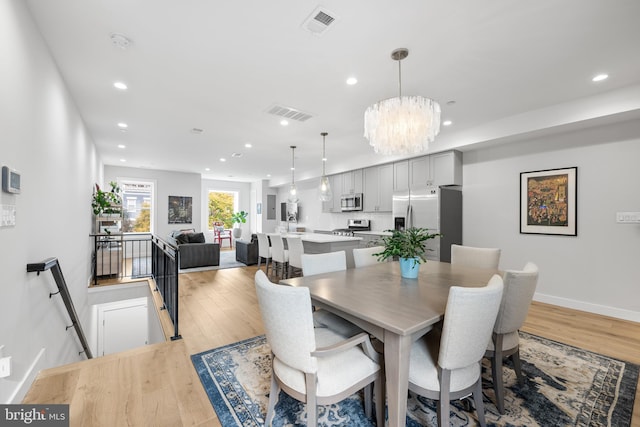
(288, 113)
(319, 21)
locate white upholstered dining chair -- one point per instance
(314, 365)
(519, 287)
(313, 264)
(264, 251)
(447, 366)
(470, 256)
(279, 255)
(296, 249)
(363, 257)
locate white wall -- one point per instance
(596, 271)
(166, 184)
(44, 138)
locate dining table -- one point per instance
(395, 310)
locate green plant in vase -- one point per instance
(408, 246)
(103, 202)
(238, 218)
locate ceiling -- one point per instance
(500, 69)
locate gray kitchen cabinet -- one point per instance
(401, 175)
(352, 182)
(436, 169)
(378, 188)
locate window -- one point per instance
(222, 205)
(137, 198)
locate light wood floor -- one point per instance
(157, 386)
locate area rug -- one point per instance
(227, 260)
(564, 386)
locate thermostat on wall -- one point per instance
(10, 180)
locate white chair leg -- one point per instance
(273, 398)
(312, 405)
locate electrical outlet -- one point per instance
(5, 367)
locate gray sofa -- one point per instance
(194, 251)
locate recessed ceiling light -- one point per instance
(351, 81)
(120, 85)
(123, 125)
(600, 77)
(451, 102)
(284, 122)
(196, 130)
(123, 160)
(447, 123)
(247, 145)
(268, 175)
(122, 146)
(236, 154)
(207, 169)
(222, 159)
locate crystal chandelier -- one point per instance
(402, 125)
(293, 191)
(324, 191)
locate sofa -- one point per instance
(194, 250)
(247, 252)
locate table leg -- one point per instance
(397, 352)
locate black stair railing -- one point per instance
(165, 259)
(53, 265)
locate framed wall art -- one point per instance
(180, 210)
(548, 202)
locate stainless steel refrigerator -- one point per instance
(437, 208)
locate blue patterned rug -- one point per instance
(564, 386)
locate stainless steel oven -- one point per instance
(351, 202)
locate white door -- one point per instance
(122, 326)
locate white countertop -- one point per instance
(322, 238)
(374, 233)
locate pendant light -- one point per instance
(404, 124)
(293, 191)
(324, 191)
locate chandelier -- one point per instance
(324, 191)
(402, 125)
(293, 191)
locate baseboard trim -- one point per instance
(24, 385)
(618, 313)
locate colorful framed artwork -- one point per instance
(180, 210)
(548, 202)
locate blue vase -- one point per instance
(409, 268)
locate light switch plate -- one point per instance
(8, 215)
(5, 367)
(628, 217)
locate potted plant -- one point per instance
(409, 246)
(238, 218)
(106, 202)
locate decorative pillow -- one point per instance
(196, 238)
(183, 238)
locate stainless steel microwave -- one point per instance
(351, 202)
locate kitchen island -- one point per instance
(315, 243)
